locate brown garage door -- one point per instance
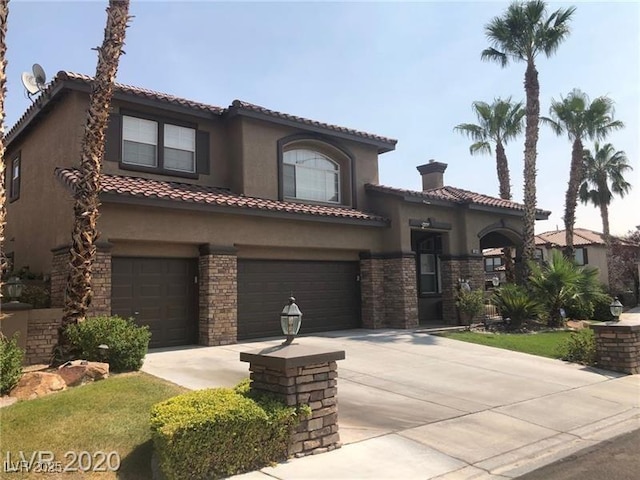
(328, 294)
(160, 293)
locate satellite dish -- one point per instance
(30, 83)
(40, 76)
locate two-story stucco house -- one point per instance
(212, 217)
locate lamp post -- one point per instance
(616, 309)
(14, 289)
(290, 320)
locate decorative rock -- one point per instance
(79, 372)
(37, 384)
(6, 401)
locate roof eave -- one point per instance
(383, 146)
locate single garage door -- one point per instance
(160, 293)
(328, 294)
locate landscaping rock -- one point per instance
(79, 372)
(5, 401)
(37, 384)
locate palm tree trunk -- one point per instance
(576, 175)
(4, 13)
(604, 213)
(502, 166)
(83, 250)
(532, 90)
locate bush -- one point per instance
(580, 347)
(601, 309)
(515, 303)
(471, 302)
(220, 432)
(10, 363)
(579, 309)
(128, 343)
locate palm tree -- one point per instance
(4, 13)
(579, 119)
(604, 178)
(83, 249)
(498, 123)
(524, 31)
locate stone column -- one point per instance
(301, 375)
(372, 291)
(452, 268)
(218, 295)
(400, 291)
(618, 346)
(100, 280)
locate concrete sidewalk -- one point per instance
(412, 405)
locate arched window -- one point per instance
(310, 175)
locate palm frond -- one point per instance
(480, 148)
(475, 132)
(493, 55)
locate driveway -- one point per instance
(413, 405)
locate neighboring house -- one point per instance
(212, 217)
(588, 245)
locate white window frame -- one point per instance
(332, 175)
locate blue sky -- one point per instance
(404, 70)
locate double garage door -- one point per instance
(163, 294)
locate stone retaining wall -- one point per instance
(40, 328)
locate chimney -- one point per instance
(432, 174)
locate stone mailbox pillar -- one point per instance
(618, 345)
(301, 375)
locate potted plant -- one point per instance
(470, 304)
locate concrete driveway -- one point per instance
(413, 405)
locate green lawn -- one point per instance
(107, 416)
(543, 344)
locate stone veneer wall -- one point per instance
(100, 281)
(389, 291)
(37, 329)
(218, 296)
(453, 268)
(618, 346)
(313, 385)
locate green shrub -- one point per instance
(515, 303)
(10, 363)
(470, 303)
(580, 347)
(579, 309)
(220, 432)
(601, 310)
(128, 343)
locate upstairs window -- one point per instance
(310, 175)
(153, 144)
(580, 256)
(14, 178)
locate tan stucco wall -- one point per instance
(177, 229)
(596, 257)
(42, 217)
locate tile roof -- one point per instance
(138, 187)
(581, 236)
(44, 97)
(272, 113)
(455, 195)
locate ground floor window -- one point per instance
(429, 249)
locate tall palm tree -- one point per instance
(579, 119)
(604, 178)
(4, 13)
(498, 123)
(520, 34)
(83, 250)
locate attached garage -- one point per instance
(160, 293)
(328, 294)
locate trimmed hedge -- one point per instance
(128, 343)
(219, 432)
(10, 363)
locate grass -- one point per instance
(543, 344)
(109, 416)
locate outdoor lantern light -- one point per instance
(14, 289)
(616, 309)
(495, 281)
(290, 320)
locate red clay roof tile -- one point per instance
(455, 195)
(200, 194)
